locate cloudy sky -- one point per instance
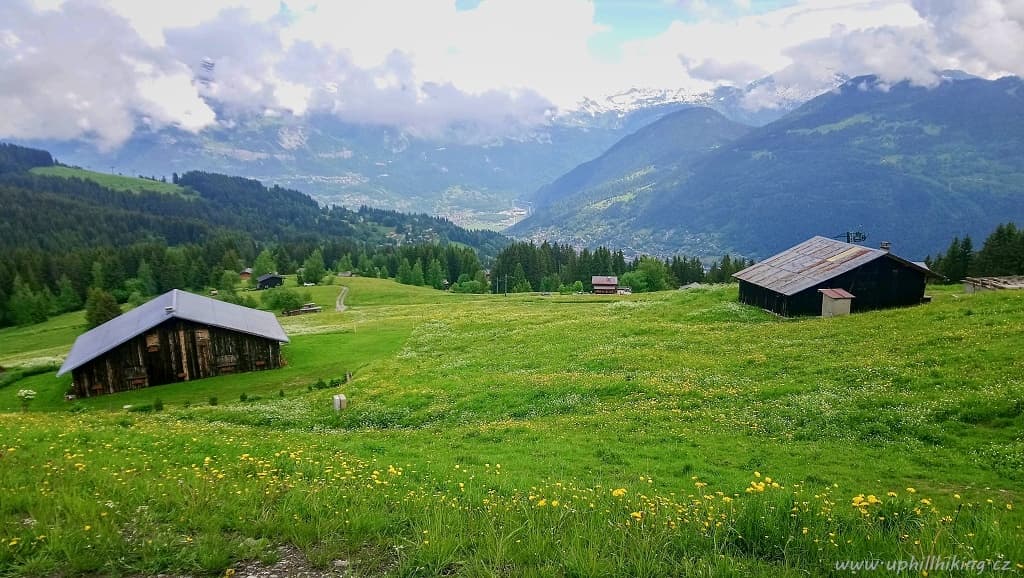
(101, 70)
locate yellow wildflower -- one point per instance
(619, 492)
(637, 515)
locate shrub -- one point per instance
(158, 404)
(213, 400)
(243, 397)
(284, 299)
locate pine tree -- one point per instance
(147, 280)
(435, 278)
(405, 272)
(25, 305)
(519, 283)
(264, 264)
(100, 307)
(416, 277)
(67, 298)
(313, 267)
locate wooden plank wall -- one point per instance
(174, 351)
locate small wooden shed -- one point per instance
(835, 302)
(177, 336)
(269, 281)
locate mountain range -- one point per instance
(472, 179)
(908, 164)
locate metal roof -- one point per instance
(604, 280)
(837, 293)
(173, 304)
(263, 278)
(814, 261)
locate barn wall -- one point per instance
(764, 298)
(174, 351)
(880, 284)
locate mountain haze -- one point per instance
(465, 172)
(599, 196)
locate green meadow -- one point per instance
(673, 433)
(114, 182)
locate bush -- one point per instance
(284, 299)
(243, 397)
(280, 393)
(213, 400)
(158, 405)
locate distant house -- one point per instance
(175, 337)
(246, 274)
(789, 283)
(605, 285)
(269, 280)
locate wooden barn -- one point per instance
(177, 336)
(246, 274)
(789, 283)
(604, 284)
(269, 281)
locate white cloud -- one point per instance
(98, 70)
(985, 37)
(81, 72)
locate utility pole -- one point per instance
(506, 284)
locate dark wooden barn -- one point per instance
(177, 336)
(789, 283)
(269, 281)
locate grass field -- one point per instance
(668, 433)
(115, 182)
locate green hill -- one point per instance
(112, 182)
(596, 199)
(673, 433)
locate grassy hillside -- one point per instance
(667, 433)
(113, 182)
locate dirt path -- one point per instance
(339, 305)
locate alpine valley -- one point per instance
(465, 174)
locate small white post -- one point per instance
(340, 402)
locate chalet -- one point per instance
(791, 282)
(246, 274)
(269, 281)
(175, 337)
(604, 285)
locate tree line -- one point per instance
(526, 266)
(66, 242)
(35, 284)
(1001, 254)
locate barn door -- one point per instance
(204, 353)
